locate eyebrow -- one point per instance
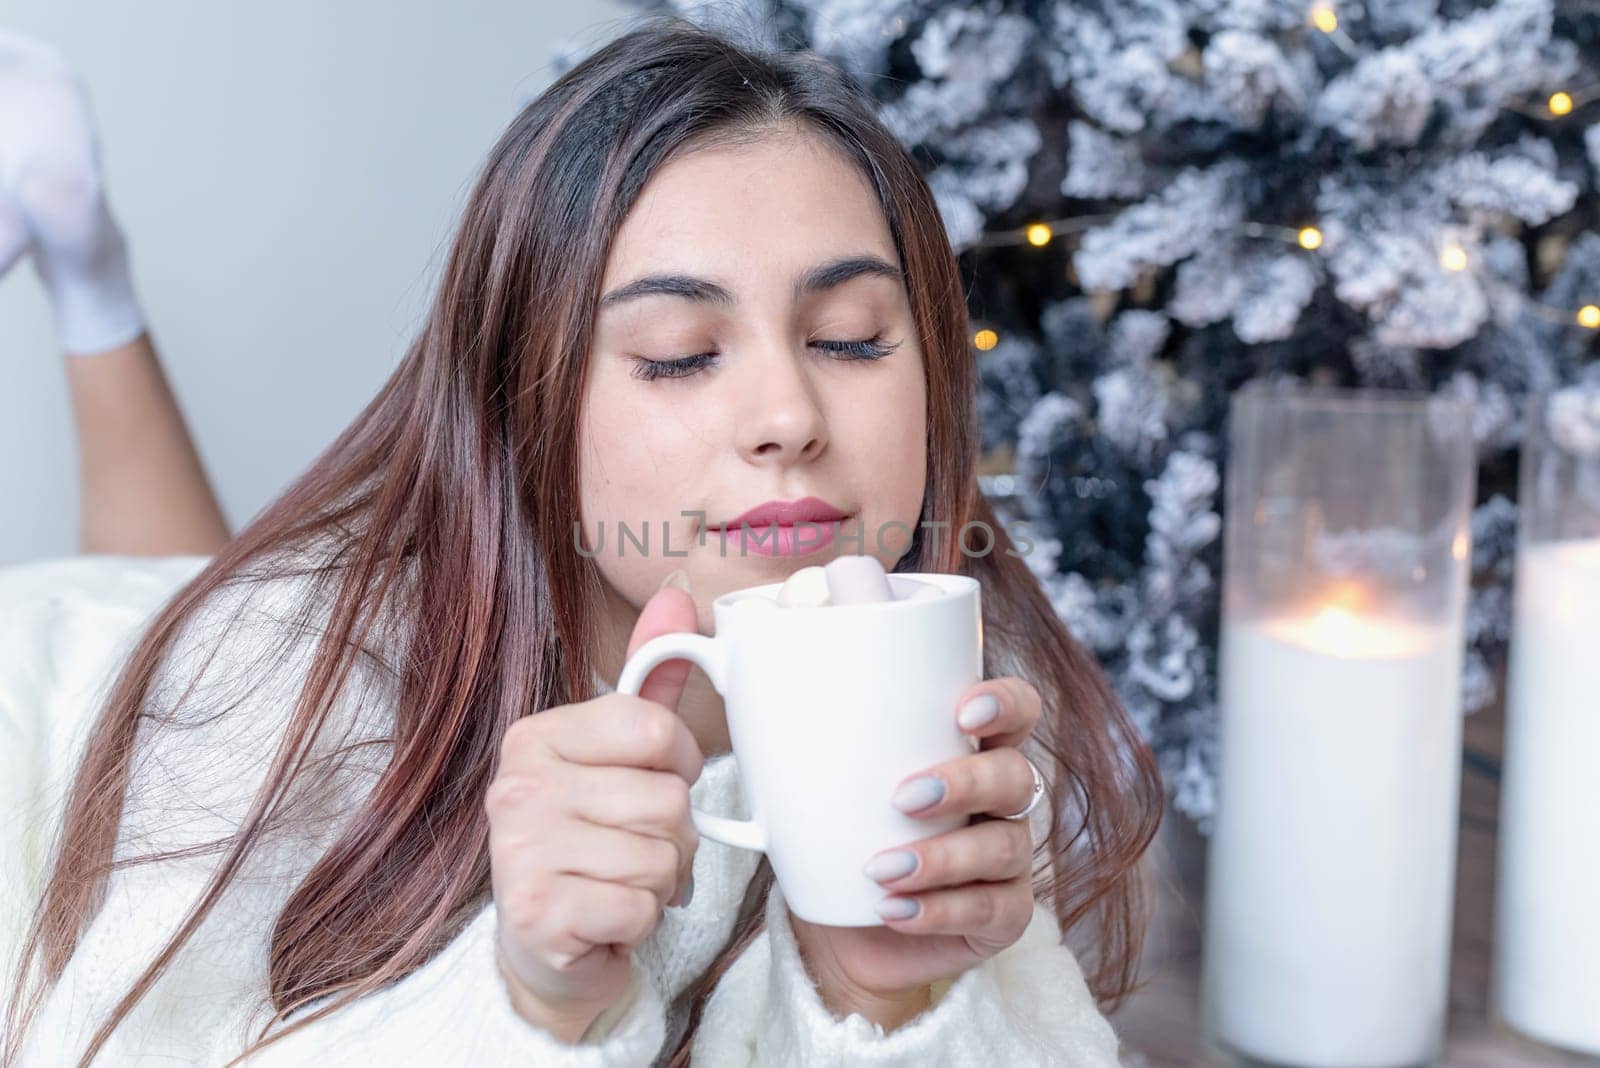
(818, 279)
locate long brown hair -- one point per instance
(450, 500)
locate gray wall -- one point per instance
(287, 175)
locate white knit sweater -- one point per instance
(66, 624)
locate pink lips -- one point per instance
(769, 529)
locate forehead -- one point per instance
(750, 214)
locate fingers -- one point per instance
(989, 914)
(611, 730)
(575, 800)
(653, 803)
(1015, 706)
(671, 610)
(635, 799)
(994, 782)
(657, 864)
(992, 851)
(570, 915)
(622, 798)
(610, 854)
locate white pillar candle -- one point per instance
(1332, 860)
(1547, 937)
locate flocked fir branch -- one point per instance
(1155, 201)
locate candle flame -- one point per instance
(1349, 597)
(1336, 628)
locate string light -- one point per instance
(1453, 257)
(1323, 16)
(1052, 227)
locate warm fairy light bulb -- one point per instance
(1324, 18)
(1560, 103)
(1589, 316)
(1453, 258)
(1309, 237)
(1039, 234)
(985, 340)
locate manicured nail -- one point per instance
(678, 578)
(898, 908)
(978, 711)
(891, 865)
(918, 793)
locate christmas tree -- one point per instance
(1155, 201)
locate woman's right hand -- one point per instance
(590, 835)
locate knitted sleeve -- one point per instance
(1028, 1005)
(454, 1010)
(192, 785)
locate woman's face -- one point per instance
(779, 404)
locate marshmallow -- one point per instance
(806, 588)
(857, 579)
(845, 580)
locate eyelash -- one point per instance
(649, 370)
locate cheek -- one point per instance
(890, 440)
(637, 467)
(634, 463)
(611, 491)
(910, 430)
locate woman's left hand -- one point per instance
(973, 885)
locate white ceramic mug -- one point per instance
(828, 710)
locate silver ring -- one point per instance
(1038, 792)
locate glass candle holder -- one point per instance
(1331, 863)
(1547, 900)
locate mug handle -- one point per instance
(708, 655)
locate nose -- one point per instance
(782, 420)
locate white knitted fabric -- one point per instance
(66, 624)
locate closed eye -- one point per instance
(873, 348)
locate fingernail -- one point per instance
(898, 908)
(978, 711)
(891, 865)
(678, 578)
(918, 793)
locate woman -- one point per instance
(691, 277)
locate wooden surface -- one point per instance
(1160, 1025)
